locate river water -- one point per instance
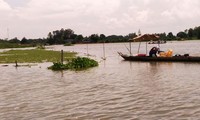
(115, 90)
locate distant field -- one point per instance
(12, 45)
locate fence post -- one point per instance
(62, 56)
(16, 65)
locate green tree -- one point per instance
(79, 38)
(163, 36)
(170, 36)
(131, 35)
(50, 39)
(60, 36)
(94, 38)
(14, 40)
(197, 30)
(190, 33)
(102, 36)
(182, 35)
(24, 41)
(198, 35)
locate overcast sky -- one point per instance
(36, 18)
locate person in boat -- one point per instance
(153, 52)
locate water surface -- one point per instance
(116, 89)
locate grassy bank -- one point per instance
(33, 56)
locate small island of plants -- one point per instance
(79, 63)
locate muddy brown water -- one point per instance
(115, 90)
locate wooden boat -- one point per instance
(183, 58)
(166, 57)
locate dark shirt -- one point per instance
(153, 52)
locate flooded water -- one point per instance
(115, 90)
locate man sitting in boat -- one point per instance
(153, 52)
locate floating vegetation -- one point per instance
(79, 63)
(58, 66)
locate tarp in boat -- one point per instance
(145, 37)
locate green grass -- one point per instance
(33, 56)
(13, 45)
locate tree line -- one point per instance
(64, 36)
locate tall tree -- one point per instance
(14, 40)
(102, 36)
(170, 36)
(79, 38)
(131, 35)
(24, 41)
(50, 39)
(182, 35)
(190, 33)
(163, 36)
(94, 38)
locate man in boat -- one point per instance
(153, 52)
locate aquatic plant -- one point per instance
(79, 63)
(82, 63)
(58, 66)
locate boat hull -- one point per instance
(161, 59)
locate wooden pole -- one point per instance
(139, 48)
(62, 56)
(104, 54)
(87, 50)
(146, 48)
(130, 48)
(16, 65)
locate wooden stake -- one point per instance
(62, 56)
(16, 65)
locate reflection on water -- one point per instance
(116, 89)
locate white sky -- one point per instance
(36, 18)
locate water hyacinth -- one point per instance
(58, 66)
(78, 63)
